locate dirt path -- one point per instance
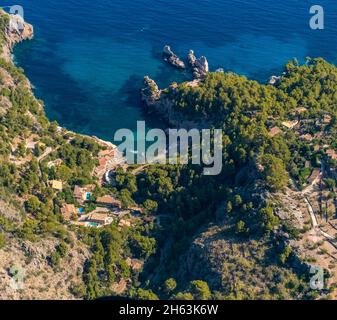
(326, 253)
(45, 154)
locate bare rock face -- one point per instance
(199, 66)
(291, 208)
(172, 58)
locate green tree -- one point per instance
(285, 254)
(200, 290)
(33, 205)
(144, 246)
(2, 240)
(184, 296)
(240, 227)
(268, 219)
(146, 295)
(150, 206)
(275, 172)
(63, 173)
(170, 285)
(330, 183)
(229, 207)
(126, 198)
(21, 150)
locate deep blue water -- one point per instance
(88, 58)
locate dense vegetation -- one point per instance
(254, 162)
(24, 184)
(187, 205)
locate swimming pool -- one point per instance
(93, 224)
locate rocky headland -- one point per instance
(161, 103)
(17, 31)
(156, 100)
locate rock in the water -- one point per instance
(274, 80)
(191, 58)
(172, 58)
(200, 66)
(167, 50)
(150, 93)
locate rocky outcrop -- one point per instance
(161, 102)
(172, 58)
(274, 80)
(17, 31)
(291, 208)
(191, 58)
(150, 94)
(199, 66)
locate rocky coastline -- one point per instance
(26, 32)
(156, 100)
(159, 102)
(18, 32)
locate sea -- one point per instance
(88, 58)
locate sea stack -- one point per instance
(191, 58)
(199, 66)
(150, 94)
(172, 58)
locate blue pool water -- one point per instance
(93, 224)
(88, 58)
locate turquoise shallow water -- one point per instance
(88, 58)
